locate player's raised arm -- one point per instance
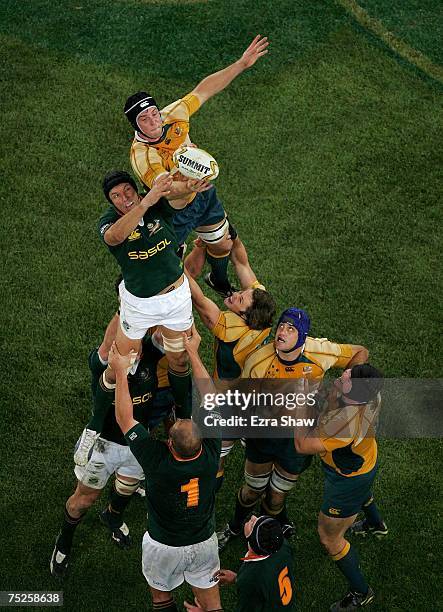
(207, 309)
(201, 376)
(214, 83)
(123, 402)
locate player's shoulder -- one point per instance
(258, 361)
(110, 214)
(322, 346)
(229, 326)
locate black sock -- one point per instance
(219, 270)
(165, 606)
(241, 512)
(64, 541)
(117, 504)
(371, 513)
(347, 563)
(180, 386)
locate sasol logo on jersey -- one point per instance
(150, 252)
(134, 235)
(141, 399)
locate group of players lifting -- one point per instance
(141, 377)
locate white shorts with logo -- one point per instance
(108, 458)
(167, 567)
(172, 309)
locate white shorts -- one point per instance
(172, 309)
(108, 458)
(167, 567)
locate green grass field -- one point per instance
(330, 151)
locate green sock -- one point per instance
(371, 513)
(165, 606)
(117, 504)
(347, 563)
(181, 387)
(219, 270)
(240, 513)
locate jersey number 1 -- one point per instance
(191, 488)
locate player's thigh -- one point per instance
(84, 495)
(330, 528)
(258, 469)
(174, 346)
(125, 344)
(202, 563)
(128, 468)
(159, 596)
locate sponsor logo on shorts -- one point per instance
(126, 325)
(334, 511)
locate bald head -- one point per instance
(185, 437)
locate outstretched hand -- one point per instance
(160, 189)
(256, 49)
(192, 342)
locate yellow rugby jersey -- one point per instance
(162, 373)
(234, 342)
(348, 434)
(319, 354)
(149, 160)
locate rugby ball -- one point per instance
(195, 163)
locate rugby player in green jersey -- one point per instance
(180, 542)
(265, 579)
(139, 233)
(111, 455)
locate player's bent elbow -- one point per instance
(112, 238)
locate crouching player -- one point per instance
(111, 455)
(180, 542)
(345, 441)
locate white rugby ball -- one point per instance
(195, 163)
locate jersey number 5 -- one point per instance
(284, 582)
(191, 488)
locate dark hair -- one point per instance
(262, 310)
(367, 382)
(114, 178)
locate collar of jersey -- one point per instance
(153, 142)
(178, 458)
(251, 556)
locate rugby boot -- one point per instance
(59, 561)
(363, 528)
(353, 601)
(119, 534)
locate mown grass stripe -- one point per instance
(413, 56)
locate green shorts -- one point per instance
(344, 496)
(277, 450)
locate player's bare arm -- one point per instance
(123, 402)
(180, 191)
(207, 309)
(215, 83)
(243, 270)
(121, 229)
(201, 376)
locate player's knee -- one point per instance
(327, 540)
(221, 248)
(82, 501)
(257, 483)
(177, 361)
(124, 487)
(282, 483)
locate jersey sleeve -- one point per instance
(146, 162)
(219, 329)
(145, 449)
(328, 354)
(106, 220)
(103, 399)
(182, 109)
(337, 428)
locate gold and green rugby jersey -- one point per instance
(234, 342)
(348, 435)
(147, 258)
(142, 388)
(319, 354)
(266, 583)
(150, 159)
(180, 493)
